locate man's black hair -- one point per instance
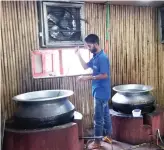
(92, 38)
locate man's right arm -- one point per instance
(83, 63)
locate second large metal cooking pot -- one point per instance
(133, 96)
(43, 108)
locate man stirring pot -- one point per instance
(101, 90)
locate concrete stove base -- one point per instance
(138, 130)
(63, 137)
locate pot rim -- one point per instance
(21, 97)
(125, 90)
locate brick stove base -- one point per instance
(63, 137)
(138, 130)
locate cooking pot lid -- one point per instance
(44, 95)
(132, 88)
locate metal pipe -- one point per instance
(94, 137)
(159, 136)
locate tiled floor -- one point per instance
(123, 146)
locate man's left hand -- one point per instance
(84, 78)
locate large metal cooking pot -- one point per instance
(133, 96)
(43, 108)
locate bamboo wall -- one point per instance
(135, 52)
(19, 38)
